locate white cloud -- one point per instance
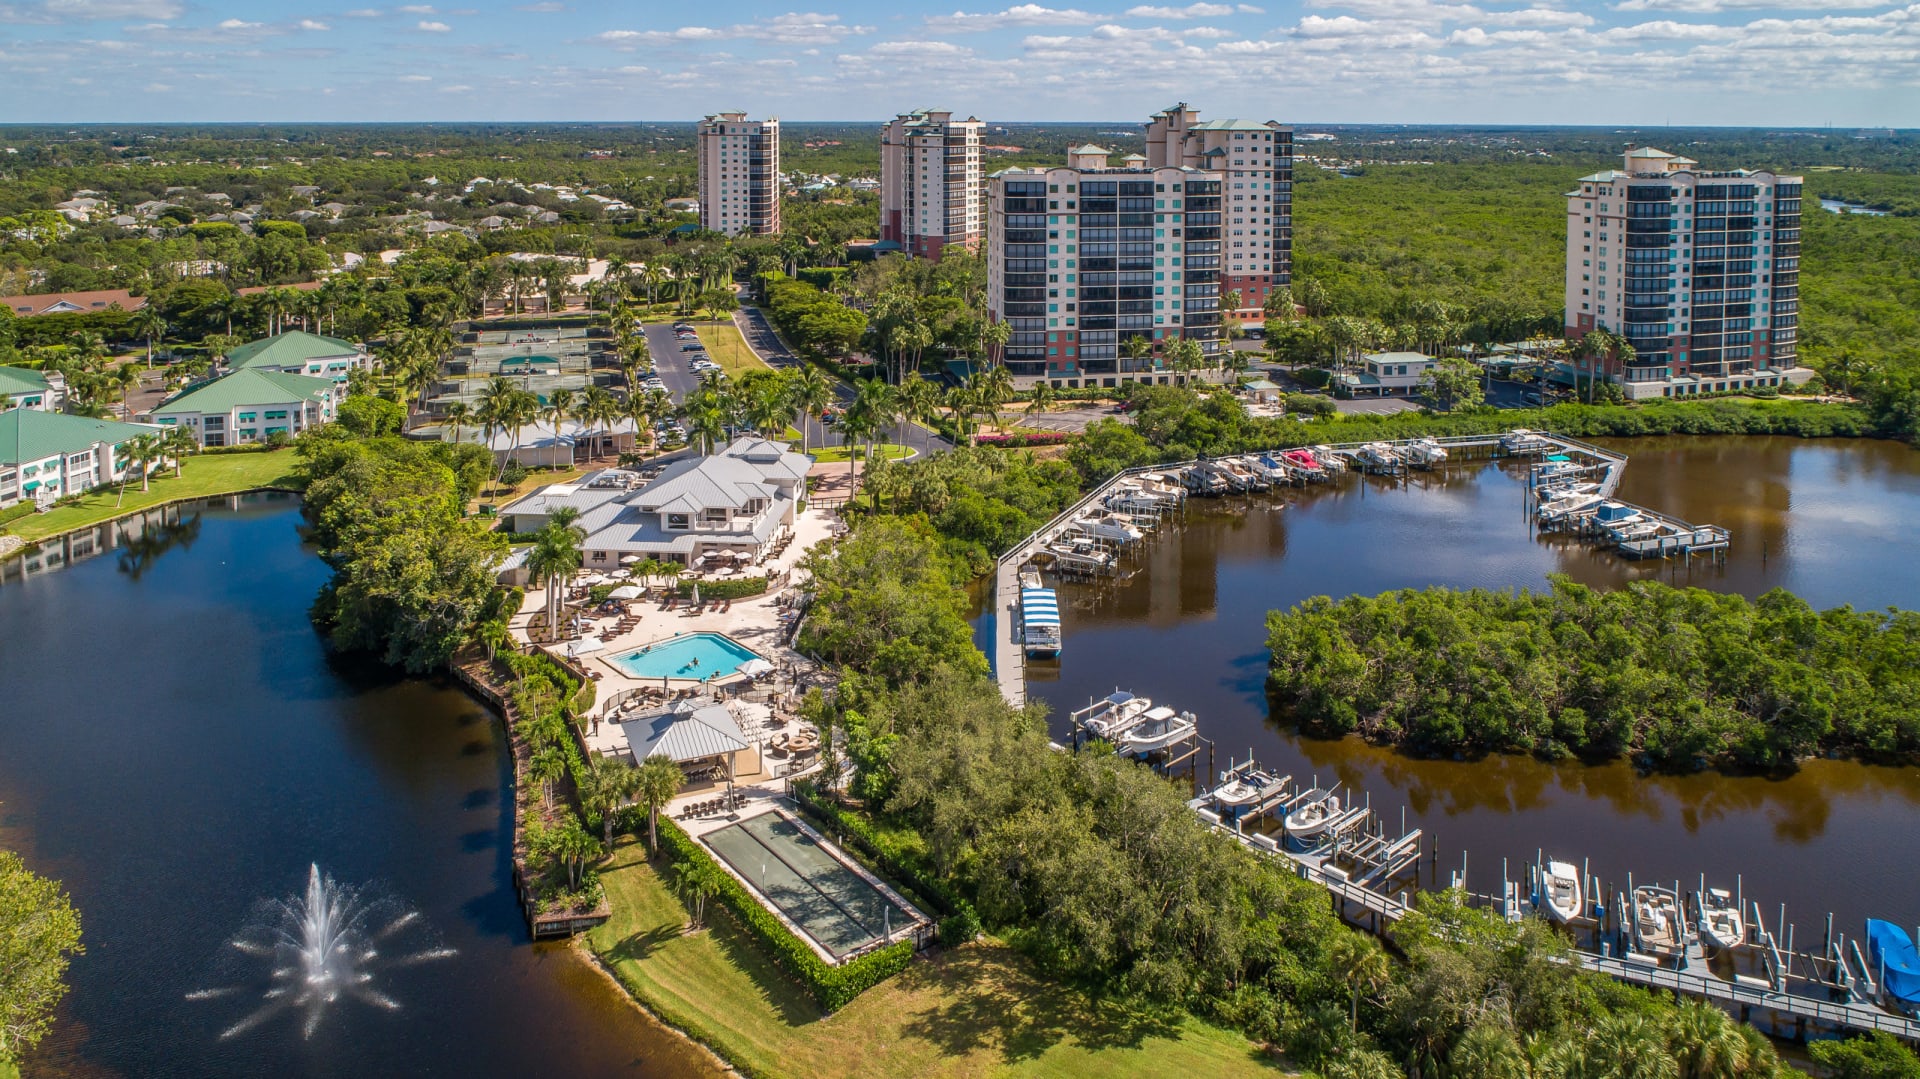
(158, 88)
(1338, 26)
(1709, 7)
(1207, 32)
(793, 28)
(433, 27)
(458, 88)
(415, 9)
(312, 24)
(1539, 16)
(416, 78)
(1018, 15)
(547, 7)
(364, 13)
(239, 24)
(56, 12)
(1192, 11)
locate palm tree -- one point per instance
(144, 451)
(559, 409)
(1705, 1043)
(457, 413)
(705, 414)
(695, 883)
(547, 766)
(124, 378)
(656, 782)
(597, 407)
(150, 324)
(1366, 967)
(809, 392)
(555, 558)
(993, 340)
(522, 408)
(609, 782)
(1041, 397)
(178, 442)
(1488, 1051)
(873, 408)
(995, 386)
(1136, 348)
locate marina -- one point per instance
(1789, 992)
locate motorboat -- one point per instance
(1658, 928)
(1615, 514)
(1720, 921)
(1554, 469)
(1567, 505)
(1305, 460)
(1246, 471)
(1425, 452)
(1202, 479)
(1158, 729)
(1081, 555)
(1379, 457)
(1638, 529)
(1560, 892)
(1102, 526)
(1312, 814)
(1245, 786)
(1274, 467)
(1520, 441)
(1896, 964)
(1115, 713)
(1328, 459)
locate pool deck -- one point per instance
(763, 707)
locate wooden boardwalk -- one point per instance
(1009, 658)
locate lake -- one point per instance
(177, 745)
(1833, 521)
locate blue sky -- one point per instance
(1744, 62)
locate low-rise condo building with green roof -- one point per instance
(48, 455)
(251, 405)
(297, 352)
(23, 387)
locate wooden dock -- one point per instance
(1009, 657)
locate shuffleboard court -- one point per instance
(835, 906)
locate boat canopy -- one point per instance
(1039, 607)
(1895, 962)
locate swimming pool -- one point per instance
(696, 655)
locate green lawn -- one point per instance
(977, 1011)
(728, 348)
(838, 454)
(201, 477)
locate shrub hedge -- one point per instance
(725, 589)
(1026, 438)
(832, 986)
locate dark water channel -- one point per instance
(176, 745)
(1837, 522)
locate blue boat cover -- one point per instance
(1039, 607)
(1894, 961)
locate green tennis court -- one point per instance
(837, 907)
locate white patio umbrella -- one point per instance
(754, 667)
(592, 578)
(629, 559)
(625, 591)
(581, 648)
(696, 593)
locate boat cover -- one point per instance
(1894, 961)
(1039, 607)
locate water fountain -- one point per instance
(320, 946)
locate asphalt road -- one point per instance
(768, 346)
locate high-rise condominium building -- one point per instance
(930, 182)
(1699, 271)
(1256, 159)
(739, 174)
(1085, 259)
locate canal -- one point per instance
(1833, 521)
(177, 746)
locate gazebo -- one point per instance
(687, 732)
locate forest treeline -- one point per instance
(1678, 678)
